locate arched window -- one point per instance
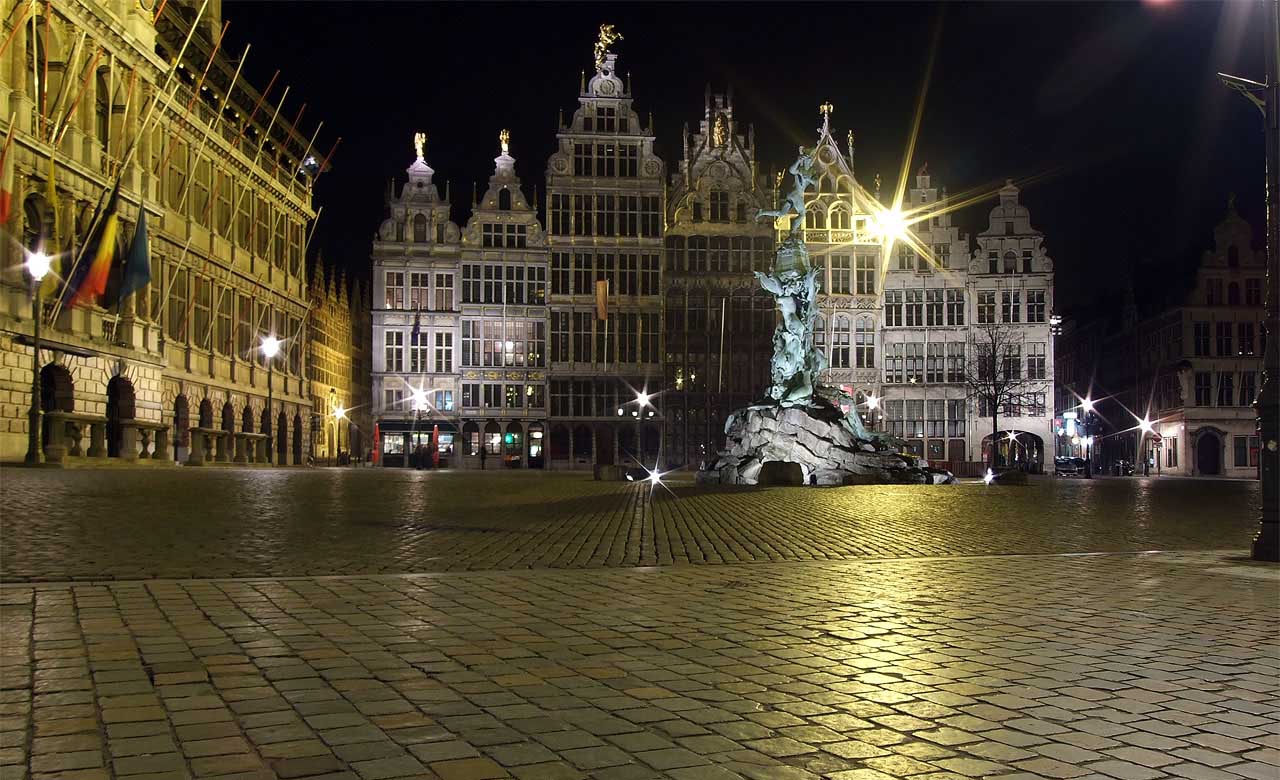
(102, 107)
(839, 217)
(504, 199)
(841, 331)
(1233, 293)
(1010, 262)
(820, 332)
(816, 220)
(864, 344)
(420, 228)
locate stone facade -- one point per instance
(338, 366)
(415, 318)
(605, 211)
(1193, 369)
(227, 213)
(503, 362)
(718, 321)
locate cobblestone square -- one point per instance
(848, 634)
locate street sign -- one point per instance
(1156, 438)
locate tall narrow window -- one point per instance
(444, 352)
(865, 281)
(841, 335)
(393, 341)
(864, 340)
(395, 289)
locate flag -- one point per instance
(417, 328)
(90, 280)
(137, 264)
(377, 444)
(435, 446)
(602, 299)
(6, 177)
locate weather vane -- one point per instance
(504, 138)
(419, 141)
(607, 36)
(826, 108)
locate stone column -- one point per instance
(197, 455)
(98, 439)
(161, 450)
(240, 456)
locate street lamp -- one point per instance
(1265, 96)
(270, 348)
(37, 265)
(1087, 405)
(339, 415)
(419, 403)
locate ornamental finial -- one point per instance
(826, 108)
(504, 138)
(607, 36)
(419, 141)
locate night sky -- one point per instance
(1114, 107)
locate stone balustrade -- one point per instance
(216, 445)
(137, 436)
(64, 436)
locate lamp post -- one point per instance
(419, 403)
(339, 415)
(333, 405)
(1266, 542)
(37, 265)
(1087, 406)
(270, 348)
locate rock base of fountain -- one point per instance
(819, 440)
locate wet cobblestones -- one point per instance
(182, 523)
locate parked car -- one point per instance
(1064, 466)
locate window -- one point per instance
(1171, 452)
(1035, 306)
(893, 413)
(444, 352)
(1201, 338)
(559, 336)
(1026, 261)
(559, 209)
(582, 322)
(934, 364)
(535, 334)
(470, 343)
(535, 397)
(470, 395)
(955, 361)
(444, 400)
(1204, 388)
(915, 308)
(1226, 388)
(394, 342)
(649, 274)
(1011, 306)
(956, 415)
(986, 307)
(820, 333)
(1036, 361)
(893, 363)
(942, 253)
(1248, 388)
(914, 419)
(417, 352)
(583, 283)
(893, 308)
(935, 417)
(392, 400)
(865, 275)
(493, 396)
(1245, 330)
(201, 183)
(418, 290)
(1213, 292)
(1012, 362)
(697, 254)
(906, 258)
(740, 261)
(719, 254)
(491, 290)
(1010, 263)
(244, 326)
(1233, 293)
(471, 284)
(203, 309)
(719, 206)
(222, 197)
(841, 274)
(444, 292)
(649, 336)
(933, 308)
(1252, 292)
(226, 301)
(179, 298)
(1224, 339)
(515, 285)
(560, 273)
(504, 199)
(513, 395)
(840, 338)
(915, 362)
(395, 289)
(177, 177)
(420, 228)
(1241, 448)
(864, 340)
(561, 405)
(955, 307)
(993, 262)
(1037, 405)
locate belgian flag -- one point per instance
(90, 280)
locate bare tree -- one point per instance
(994, 375)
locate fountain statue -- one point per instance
(804, 431)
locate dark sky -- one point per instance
(1115, 106)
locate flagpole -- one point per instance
(35, 73)
(24, 7)
(68, 78)
(60, 129)
(133, 147)
(248, 122)
(195, 91)
(724, 305)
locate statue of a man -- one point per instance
(802, 176)
(719, 132)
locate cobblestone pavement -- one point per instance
(1108, 667)
(181, 523)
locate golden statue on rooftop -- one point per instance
(504, 138)
(419, 141)
(607, 36)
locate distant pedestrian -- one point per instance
(484, 455)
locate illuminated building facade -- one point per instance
(922, 340)
(718, 322)
(174, 370)
(503, 346)
(337, 365)
(1192, 371)
(605, 225)
(1010, 283)
(415, 321)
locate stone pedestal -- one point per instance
(818, 440)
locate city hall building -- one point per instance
(175, 370)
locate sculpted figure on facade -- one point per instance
(607, 37)
(419, 141)
(719, 132)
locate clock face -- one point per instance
(606, 87)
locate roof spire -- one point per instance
(826, 109)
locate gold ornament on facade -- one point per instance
(826, 108)
(504, 138)
(607, 36)
(719, 131)
(419, 141)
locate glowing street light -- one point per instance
(1087, 405)
(270, 348)
(37, 264)
(873, 402)
(1145, 425)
